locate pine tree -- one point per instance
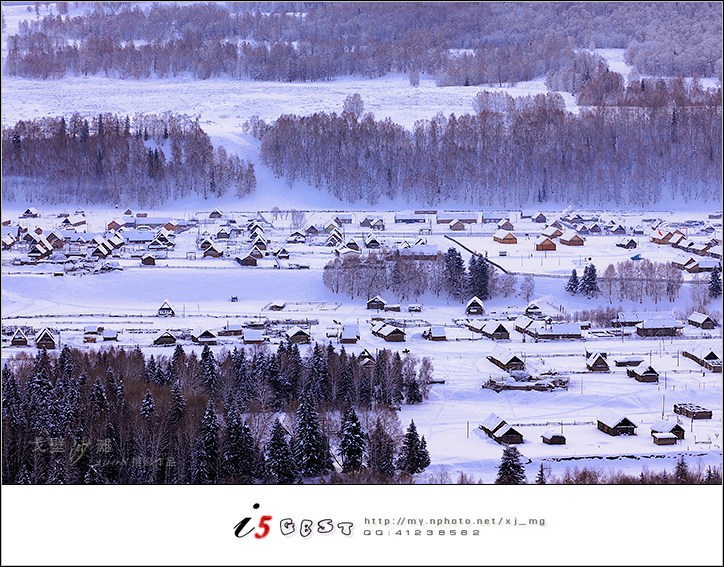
(455, 277)
(715, 284)
(681, 471)
(572, 285)
(280, 464)
(148, 406)
(352, 444)
(210, 374)
(510, 470)
(177, 406)
(381, 451)
(413, 457)
(311, 448)
(541, 476)
(241, 456)
(98, 398)
(12, 406)
(206, 454)
(588, 284)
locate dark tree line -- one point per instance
(408, 278)
(512, 151)
(235, 417)
(460, 43)
(110, 159)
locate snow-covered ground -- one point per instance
(200, 289)
(127, 301)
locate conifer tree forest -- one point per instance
(239, 416)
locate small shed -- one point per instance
(664, 438)
(350, 334)
(435, 333)
(456, 224)
(148, 260)
(539, 218)
(664, 426)
(627, 243)
(553, 438)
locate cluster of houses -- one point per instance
(663, 432)
(695, 256)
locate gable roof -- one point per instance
(613, 419)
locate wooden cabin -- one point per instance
(506, 360)
(570, 238)
(647, 374)
(705, 357)
(658, 328)
(701, 320)
(475, 306)
(614, 424)
(19, 339)
(165, 339)
(544, 244)
(496, 331)
(505, 237)
(148, 260)
(435, 333)
(203, 336)
(553, 438)
(596, 362)
(692, 411)
(166, 310)
(350, 334)
(663, 426)
(246, 260)
(376, 303)
(298, 335)
(45, 339)
(664, 438)
(389, 333)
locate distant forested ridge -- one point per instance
(651, 140)
(148, 160)
(459, 43)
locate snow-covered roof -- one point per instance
(663, 426)
(502, 234)
(492, 422)
(697, 317)
(474, 300)
(493, 326)
(611, 418)
(667, 323)
(296, 331)
(350, 331)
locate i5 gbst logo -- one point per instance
(262, 526)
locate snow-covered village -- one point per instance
(360, 270)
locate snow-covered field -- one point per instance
(200, 289)
(200, 292)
